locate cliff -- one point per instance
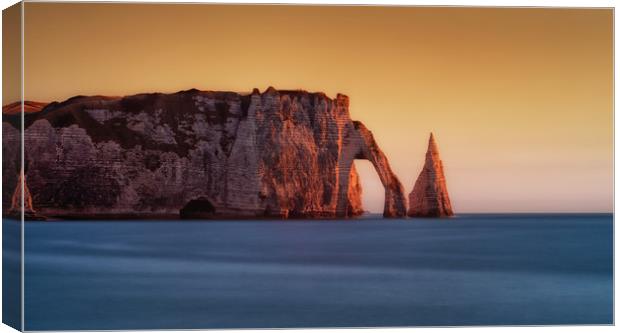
(429, 197)
(198, 154)
(29, 107)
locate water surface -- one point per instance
(469, 270)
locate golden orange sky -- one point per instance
(520, 100)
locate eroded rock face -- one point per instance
(16, 202)
(278, 154)
(429, 197)
(354, 194)
(11, 157)
(16, 199)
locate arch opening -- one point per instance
(200, 208)
(373, 191)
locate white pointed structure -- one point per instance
(429, 197)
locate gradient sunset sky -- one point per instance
(520, 100)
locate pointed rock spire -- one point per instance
(429, 197)
(16, 201)
(432, 146)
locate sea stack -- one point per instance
(429, 197)
(16, 201)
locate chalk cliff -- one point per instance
(429, 197)
(198, 154)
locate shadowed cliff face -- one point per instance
(279, 154)
(11, 152)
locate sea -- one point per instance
(473, 269)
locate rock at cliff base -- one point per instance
(355, 207)
(429, 197)
(16, 201)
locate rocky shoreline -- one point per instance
(283, 154)
(279, 154)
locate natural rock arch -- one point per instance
(361, 145)
(286, 153)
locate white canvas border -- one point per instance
(489, 3)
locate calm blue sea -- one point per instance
(469, 270)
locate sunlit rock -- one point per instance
(429, 197)
(204, 154)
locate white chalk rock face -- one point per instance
(429, 197)
(198, 154)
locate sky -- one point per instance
(520, 99)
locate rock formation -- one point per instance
(429, 197)
(354, 194)
(16, 108)
(199, 154)
(16, 201)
